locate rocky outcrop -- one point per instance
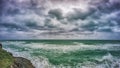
(0, 45)
(20, 62)
(8, 61)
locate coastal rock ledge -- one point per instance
(8, 61)
(20, 62)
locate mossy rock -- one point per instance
(6, 59)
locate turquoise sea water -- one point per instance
(67, 53)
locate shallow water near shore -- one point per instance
(67, 53)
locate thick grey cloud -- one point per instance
(56, 13)
(32, 18)
(79, 14)
(91, 26)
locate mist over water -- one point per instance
(67, 54)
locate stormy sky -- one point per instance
(60, 19)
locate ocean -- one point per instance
(67, 53)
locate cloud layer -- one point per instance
(59, 19)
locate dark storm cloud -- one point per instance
(91, 26)
(11, 25)
(110, 7)
(106, 16)
(79, 14)
(55, 17)
(57, 13)
(8, 7)
(15, 24)
(1, 4)
(48, 24)
(98, 14)
(31, 24)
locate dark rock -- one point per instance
(0, 45)
(11, 54)
(20, 62)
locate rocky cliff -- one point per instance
(8, 61)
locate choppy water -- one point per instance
(67, 53)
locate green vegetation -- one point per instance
(6, 60)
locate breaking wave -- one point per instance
(77, 55)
